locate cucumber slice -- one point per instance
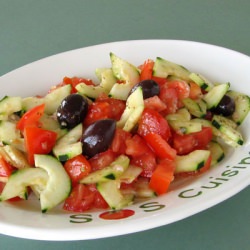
(69, 145)
(242, 106)
(201, 81)
(58, 186)
(185, 127)
(217, 152)
(227, 130)
(9, 105)
(14, 157)
(90, 90)
(181, 115)
(113, 196)
(106, 77)
(163, 68)
(125, 72)
(19, 181)
(31, 102)
(214, 96)
(130, 174)
(8, 132)
(53, 99)
(196, 107)
(192, 161)
(133, 110)
(111, 172)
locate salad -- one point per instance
(89, 145)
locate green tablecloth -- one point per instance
(30, 30)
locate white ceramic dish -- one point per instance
(25, 220)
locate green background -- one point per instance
(32, 29)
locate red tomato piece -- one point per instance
(116, 106)
(160, 146)
(38, 141)
(161, 81)
(147, 70)
(181, 87)
(185, 144)
(102, 160)
(147, 162)
(152, 122)
(162, 176)
(97, 111)
(81, 199)
(136, 146)
(118, 145)
(155, 103)
(77, 168)
(170, 97)
(31, 117)
(5, 168)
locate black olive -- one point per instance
(149, 88)
(98, 136)
(226, 106)
(72, 111)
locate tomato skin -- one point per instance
(162, 176)
(102, 160)
(38, 141)
(77, 168)
(185, 144)
(160, 146)
(147, 70)
(152, 122)
(31, 117)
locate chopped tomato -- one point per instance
(83, 198)
(102, 160)
(118, 145)
(147, 162)
(77, 168)
(136, 146)
(5, 168)
(170, 97)
(73, 81)
(97, 111)
(147, 70)
(181, 87)
(116, 106)
(152, 122)
(195, 90)
(103, 109)
(161, 81)
(38, 141)
(162, 176)
(185, 144)
(80, 199)
(160, 146)
(31, 117)
(155, 103)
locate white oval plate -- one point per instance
(24, 219)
